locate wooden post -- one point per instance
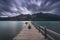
(39, 28)
(45, 33)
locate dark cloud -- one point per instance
(50, 6)
(5, 4)
(29, 6)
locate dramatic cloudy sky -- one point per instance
(10, 8)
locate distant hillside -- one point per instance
(34, 17)
(46, 17)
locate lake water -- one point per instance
(9, 29)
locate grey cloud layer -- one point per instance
(29, 6)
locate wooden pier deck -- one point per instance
(32, 34)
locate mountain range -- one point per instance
(34, 17)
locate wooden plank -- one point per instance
(32, 34)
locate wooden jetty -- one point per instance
(37, 32)
(29, 34)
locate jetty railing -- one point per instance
(45, 30)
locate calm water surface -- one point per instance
(9, 29)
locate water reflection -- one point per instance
(9, 29)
